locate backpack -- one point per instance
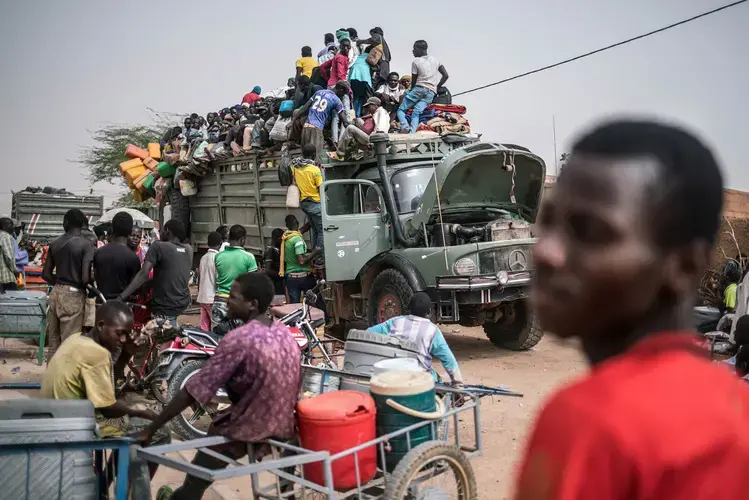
(443, 96)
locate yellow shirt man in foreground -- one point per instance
(82, 369)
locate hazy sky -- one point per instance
(70, 67)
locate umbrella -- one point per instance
(139, 218)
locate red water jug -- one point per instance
(335, 422)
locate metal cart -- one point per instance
(111, 462)
(431, 459)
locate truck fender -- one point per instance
(166, 372)
(392, 261)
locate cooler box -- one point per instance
(23, 311)
(363, 349)
(68, 475)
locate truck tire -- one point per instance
(389, 297)
(520, 335)
(180, 424)
(180, 206)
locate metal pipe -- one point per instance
(380, 142)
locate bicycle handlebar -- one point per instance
(97, 292)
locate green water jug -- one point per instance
(402, 399)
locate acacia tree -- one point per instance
(102, 160)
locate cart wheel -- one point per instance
(413, 476)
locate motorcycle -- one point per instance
(303, 320)
(167, 357)
(179, 360)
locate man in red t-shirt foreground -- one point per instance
(624, 238)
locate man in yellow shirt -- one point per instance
(306, 63)
(308, 178)
(82, 369)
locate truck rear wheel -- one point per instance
(520, 334)
(389, 297)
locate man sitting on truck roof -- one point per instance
(306, 63)
(375, 121)
(416, 327)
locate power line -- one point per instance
(618, 44)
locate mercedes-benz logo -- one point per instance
(517, 260)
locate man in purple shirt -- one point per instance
(318, 110)
(258, 364)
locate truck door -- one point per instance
(354, 230)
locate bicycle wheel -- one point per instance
(414, 477)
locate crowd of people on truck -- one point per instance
(335, 102)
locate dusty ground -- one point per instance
(506, 421)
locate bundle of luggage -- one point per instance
(48, 190)
(445, 119)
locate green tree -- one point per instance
(102, 160)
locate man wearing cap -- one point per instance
(376, 120)
(252, 96)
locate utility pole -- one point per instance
(556, 156)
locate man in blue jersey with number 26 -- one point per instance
(318, 110)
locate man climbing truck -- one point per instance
(447, 216)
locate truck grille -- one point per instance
(514, 258)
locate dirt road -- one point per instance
(506, 421)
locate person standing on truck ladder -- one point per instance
(624, 239)
(65, 271)
(230, 263)
(295, 268)
(318, 109)
(308, 178)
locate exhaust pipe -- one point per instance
(380, 142)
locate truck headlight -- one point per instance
(464, 267)
(502, 277)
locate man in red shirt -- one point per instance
(624, 238)
(252, 96)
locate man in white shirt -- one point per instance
(427, 76)
(375, 121)
(391, 93)
(207, 284)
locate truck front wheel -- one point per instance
(520, 334)
(389, 297)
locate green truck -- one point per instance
(451, 216)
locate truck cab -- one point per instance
(452, 219)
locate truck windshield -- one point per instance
(408, 186)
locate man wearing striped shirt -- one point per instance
(417, 328)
